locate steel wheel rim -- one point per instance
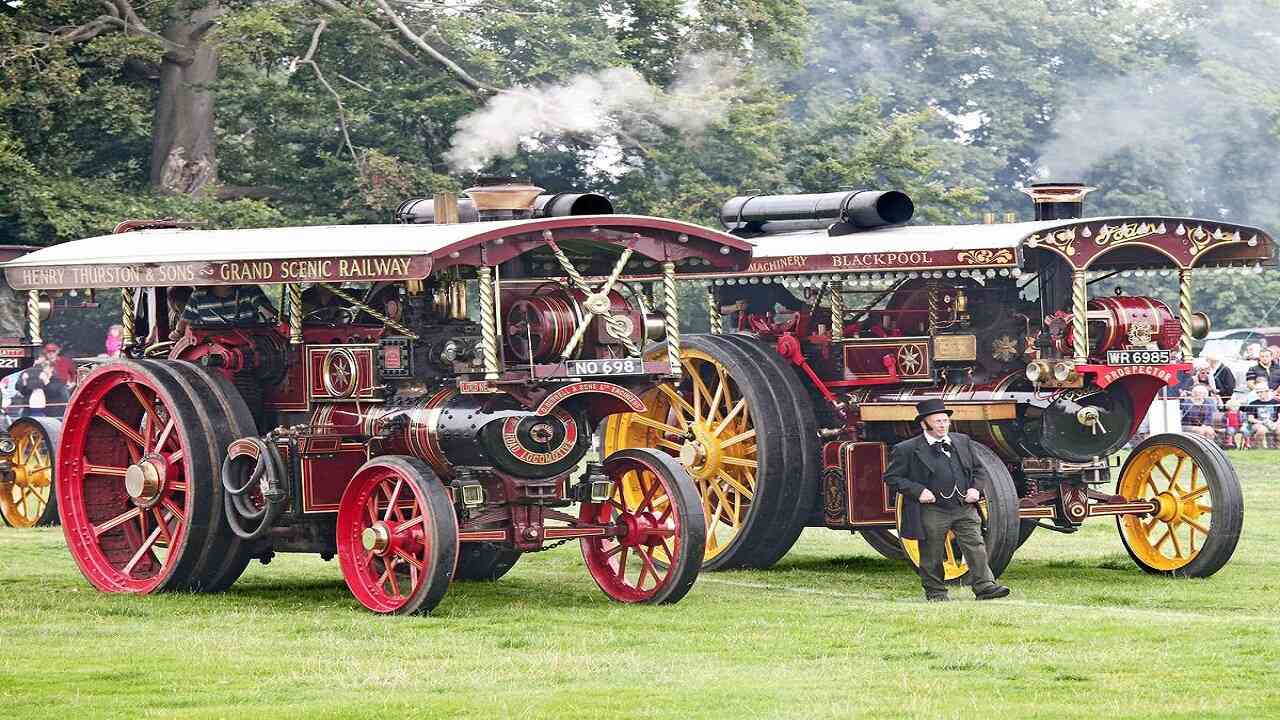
(387, 503)
(689, 424)
(637, 565)
(1170, 477)
(25, 500)
(123, 542)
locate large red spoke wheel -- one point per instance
(224, 417)
(656, 509)
(131, 481)
(397, 536)
(28, 500)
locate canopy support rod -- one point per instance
(1079, 315)
(295, 313)
(488, 323)
(672, 309)
(33, 317)
(127, 314)
(837, 311)
(713, 312)
(1184, 312)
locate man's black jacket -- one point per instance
(913, 466)
(1272, 374)
(1225, 381)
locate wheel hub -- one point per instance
(376, 538)
(1168, 510)
(144, 480)
(701, 452)
(638, 529)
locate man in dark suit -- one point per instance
(1222, 382)
(937, 474)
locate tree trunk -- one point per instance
(183, 157)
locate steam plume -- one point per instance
(591, 106)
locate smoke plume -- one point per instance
(1204, 114)
(609, 106)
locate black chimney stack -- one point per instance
(1058, 200)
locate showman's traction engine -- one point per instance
(847, 318)
(422, 405)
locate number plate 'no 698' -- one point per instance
(625, 366)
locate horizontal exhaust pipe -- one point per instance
(858, 209)
(422, 211)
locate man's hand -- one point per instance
(971, 495)
(926, 496)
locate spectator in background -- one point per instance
(1263, 415)
(1250, 392)
(1267, 369)
(1189, 379)
(1251, 351)
(115, 341)
(1222, 382)
(63, 369)
(1198, 412)
(43, 392)
(1235, 426)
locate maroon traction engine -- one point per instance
(1023, 329)
(411, 411)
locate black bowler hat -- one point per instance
(932, 406)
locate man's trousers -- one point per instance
(937, 518)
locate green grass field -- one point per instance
(833, 631)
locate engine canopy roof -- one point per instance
(1086, 243)
(335, 253)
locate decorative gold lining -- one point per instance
(906, 411)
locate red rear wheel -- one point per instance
(130, 487)
(656, 505)
(397, 536)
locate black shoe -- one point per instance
(991, 592)
(941, 598)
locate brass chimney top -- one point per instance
(506, 194)
(1058, 200)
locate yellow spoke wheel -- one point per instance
(723, 422)
(999, 508)
(1199, 506)
(29, 499)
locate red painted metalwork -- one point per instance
(128, 482)
(387, 506)
(635, 565)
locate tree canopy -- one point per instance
(239, 113)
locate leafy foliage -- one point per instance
(1167, 107)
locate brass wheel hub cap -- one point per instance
(376, 538)
(144, 480)
(701, 453)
